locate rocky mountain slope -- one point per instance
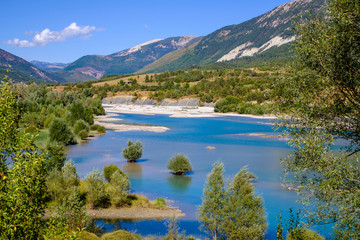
(21, 70)
(248, 39)
(126, 61)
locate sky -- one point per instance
(63, 31)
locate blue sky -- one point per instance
(63, 31)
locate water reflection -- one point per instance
(133, 170)
(179, 183)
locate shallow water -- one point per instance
(234, 147)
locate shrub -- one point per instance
(160, 203)
(120, 234)
(109, 170)
(304, 234)
(95, 190)
(60, 132)
(81, 125)
(179, 164)
(56, 156)
(118, 189)
(83, 134)
(133, 151)
(94, 127)
(84, 235)
(98, 128)
(101, 129)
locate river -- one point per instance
(239, 141)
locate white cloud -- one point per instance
(46, 36)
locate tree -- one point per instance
(244, 213)
(95, 189)
(22, 174)
(56, 157)
(133, 151)
(323, 95)
(60, 132)
(118, 189)
(179, 164)
(211, 209)
(61, 183)
(109, 170)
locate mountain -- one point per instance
(49, 67)
(21, 70)
(126, 61)
(248, 39)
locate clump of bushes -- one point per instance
(160, 203)
(133, 151)
(60, 132)
(303, 233)
(98, 128)
(179, 164)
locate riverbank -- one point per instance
(134, 213)
(174, 111)
(109, 122)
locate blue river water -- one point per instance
(236, 144)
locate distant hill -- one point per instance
(126, 61)
(21, 70)
(248, 39)
(49, 67)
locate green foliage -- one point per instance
(213, 202)
(120, 234)
(322, 93)
(84, 235)
(227, 104)
(95, 190)
(304, 234)
(81, 125)
(83, 134)
(179, 164)
(244, 213)
(56, 156)
(22, 174)
(98, 128)
(133, 150)
(109, 170)
(68, 218)
(160, 203)
(62, 183)
(118, 189)
(60, 132)
(232, 212)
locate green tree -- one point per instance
(118, 189)
(244, 213)
(61, 183)
(95, 190)
(110, 169)
(56, 157)
(22, 174)
(81, 125)
(60, 132)
(133, 151)
(323, 95)
(211, 209)
(179, 164)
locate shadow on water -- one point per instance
(179, 183)
(133, 170)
